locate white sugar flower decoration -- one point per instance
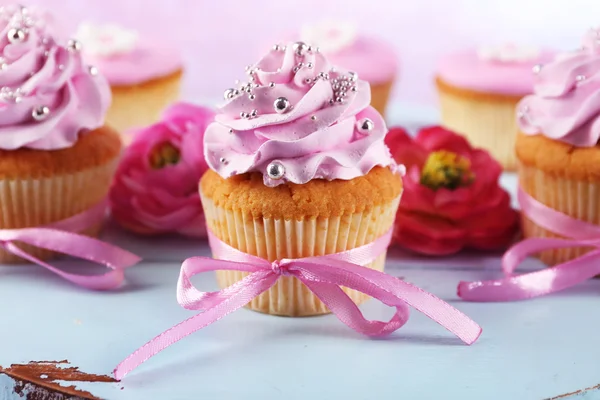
(106, 40)
(329, 36)
(509, 53)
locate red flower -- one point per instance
(452, 199)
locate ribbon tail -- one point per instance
(533, 284)
(253, 286)
(392, 292)
(348, 312)
(110, 280)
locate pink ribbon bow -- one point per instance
(59, 237)
(323, 275)
(548, 280)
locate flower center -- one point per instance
(444, 169)
(164, 154)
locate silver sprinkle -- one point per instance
(307, 80)
(244, 115)
(74, 45)
(253, 113)
(309, 65)
(276, 47)
(271, 84)
(40, 113)
(229, 93)
(93, 70)
(252, 97)
(275, 170)
(537, 68)
(365, 126)
(313, 117)
(16, 35)
(222, 160)
(282, 105)
(354, 88)
(231, 131)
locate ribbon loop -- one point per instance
(549, 280)
(60, 237)
(323, 275)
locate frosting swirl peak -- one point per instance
(565, 105)
(297, 119)
(47, 94)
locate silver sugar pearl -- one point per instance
(281, 105)
(253, 113)
(231, 131)
(309, 65)
(229, 94)
(354, 88)
(74, 45)
(16, 35)
(271, 84)
(244, 115)
(276, 47)
(353, 76)
(275, 170)
(331, 102)
(252, 97)
(295, 69)
(40, 113)
(537, 68)
(93, 70)
(307, 80)
(313, 117)
(222, 160)
(300, 48)
(365, 126)
(18, 99)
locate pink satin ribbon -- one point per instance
(60, 237)
(548, 280)
(323, 275)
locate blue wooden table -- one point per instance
(539, 349)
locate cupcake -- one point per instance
(56, 157)
(298, 168)
(144, 73)
(479, 89)
(373, 59)
(557, 148)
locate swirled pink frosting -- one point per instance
(313, 139)
(40, 71)
(565, 105)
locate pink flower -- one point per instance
(155, 189)
(452, 199)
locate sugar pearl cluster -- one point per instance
(21, 21)
(341, 84)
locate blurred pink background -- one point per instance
(220, 37)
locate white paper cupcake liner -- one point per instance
(26, 203)
(577, 199)
(273, 239)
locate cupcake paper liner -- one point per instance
(26, 203)
(577, 199)
(488, 121)
(274, 239)
(380, 94)
(141, 105)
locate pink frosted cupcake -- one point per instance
(479, 90)
(373, 59)
(144, 74)
(299, 168)
(56, 156)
